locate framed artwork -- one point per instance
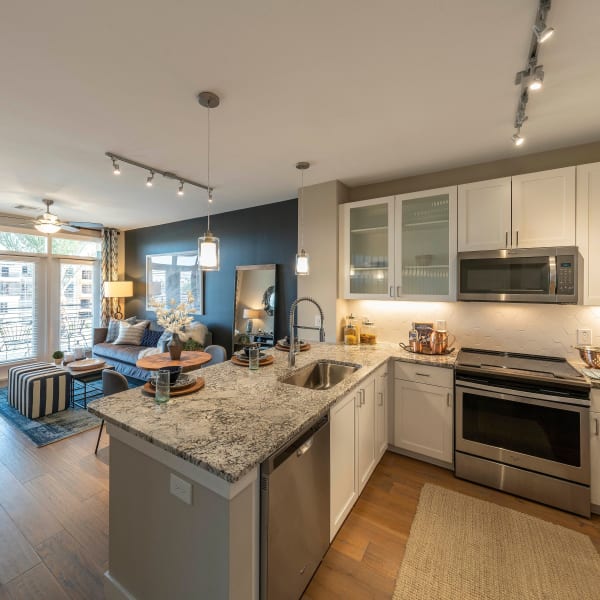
(171, 276)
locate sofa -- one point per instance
(124, 356)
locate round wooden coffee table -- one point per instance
(189, 361)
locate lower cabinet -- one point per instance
(595, 458)
(423, 413)
(358, 432)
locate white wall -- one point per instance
(530, 328)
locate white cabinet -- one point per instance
(595, 458)
(381, 412)
(365, 446)
(588, 226)
(401, 247)
(526, 211)
(484, 215)
(423, 413)
(543, 209)
(343, 473)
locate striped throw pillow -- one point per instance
(113, 328)
(131, 334)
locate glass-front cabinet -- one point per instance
(401, 247)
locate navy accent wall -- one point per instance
(253, 236)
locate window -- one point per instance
(5, 272)
(87, 248)
(25, 270)
(23, 242)
(4, 289)
(68, 290)
(3, 307)
(86, 288)
(86, 274)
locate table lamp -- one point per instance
(250, 313)
(118, 289)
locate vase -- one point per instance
(175, 347)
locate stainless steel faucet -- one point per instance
(292, 355)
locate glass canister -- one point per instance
(351, 332)
(368, 333)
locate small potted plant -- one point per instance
(58, 357)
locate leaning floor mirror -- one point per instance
(254, 305)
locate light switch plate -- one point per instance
(181, 489)
(317, 320)
(584, 337)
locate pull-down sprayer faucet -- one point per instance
(292, 355)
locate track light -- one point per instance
(116, 169)
(180, 190)
(517, 139)
(537, 79)
(543, 33)
(149, 181)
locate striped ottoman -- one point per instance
(39, 389)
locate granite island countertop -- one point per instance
(241, 417)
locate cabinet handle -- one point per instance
(381, 404)
(448, 399)
(391, 291)
(422, 374)
(517, 238)
(506, 240)
(597, 422)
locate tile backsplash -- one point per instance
(528, 328)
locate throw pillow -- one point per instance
(130, 334)
(113, 328)
(150, 338)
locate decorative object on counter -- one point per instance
(175, 347)
(208, 244)
(302, 263)
(253, 357)
(163, 386)
(188, 361)
(351, 331)
(180, 381)
(590, 355)
(368, 333)
(284, 345)
(196, 383)
(242, 361)
(438, 342)
(58, 357)
(423, 338)
(425, 350)
(175, 319)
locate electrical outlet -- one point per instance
(584, 337)
(181, 489)
(317, 320)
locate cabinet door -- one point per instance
(588, 224)
(484, 215)
(367, 248)
(423, 419)
(381, 401)
(543, 209)
(595, 456)
(344, 487)
(425, 245)
(365, 438)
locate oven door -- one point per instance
(539, 435)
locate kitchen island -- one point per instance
(184, 477)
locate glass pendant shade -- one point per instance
(302, 266)
(208, 252)
(48, 224)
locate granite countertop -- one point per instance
(241, 417)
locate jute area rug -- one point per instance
(461, 548)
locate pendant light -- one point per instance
(302, 265)
(208, 244)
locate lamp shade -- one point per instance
(118, 289)
(251, 313)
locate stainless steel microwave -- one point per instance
(545, 275)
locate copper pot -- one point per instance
(438, 342)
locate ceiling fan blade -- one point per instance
(85, 225)
(67, 227)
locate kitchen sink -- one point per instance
(322, 375)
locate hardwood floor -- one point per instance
(54, 522)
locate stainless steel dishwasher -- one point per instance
(294, 510)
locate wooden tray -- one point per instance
(151, 391)
(267, 360)
(303, 348)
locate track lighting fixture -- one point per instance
(152, 172)
(532, 77)
(302, 263)
(209, 256)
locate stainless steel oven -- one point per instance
(524, 429)
(544, 275)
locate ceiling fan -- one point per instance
(50, 223)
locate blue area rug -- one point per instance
(60, 425)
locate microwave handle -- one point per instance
(552, 275)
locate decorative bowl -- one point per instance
(590, 355)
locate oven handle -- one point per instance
(552, 275)
(506, 394)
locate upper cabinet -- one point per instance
(401, 247)
(484, 215)
(588, 225)
(526, 211)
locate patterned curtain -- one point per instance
(110, 257)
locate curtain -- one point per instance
(110, 258)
